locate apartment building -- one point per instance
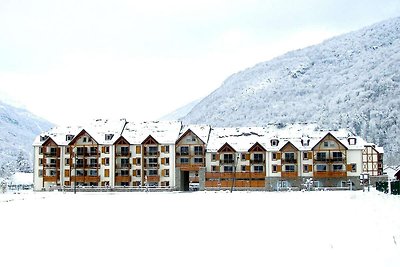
(175, 156)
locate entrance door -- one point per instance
(185, 180)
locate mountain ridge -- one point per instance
(350, 81)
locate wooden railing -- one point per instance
(330, 174)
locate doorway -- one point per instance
(185, 180)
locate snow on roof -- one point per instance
(202, 131)
(98, 129)
(164, 132)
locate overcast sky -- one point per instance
(73, 60)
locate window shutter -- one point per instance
(138, 149)
(279, 168)
(278, 155)
(107, 173)
(349, 167)
(163, 173)
(58, 151)
(66, 173)
(103, 161)
(247, 156)
(163, 161)
(134, 173)
(310, 168)
(217, 168)
(247, 168)
(217, 157)
(309, 155)
(103, 149)
(163, 149)
(134, 161)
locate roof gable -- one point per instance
(82, 133)
(327, 137)
(226, 148)
(257, 147)
(289, 147)
(150, 141)
(49, 142)
(121, 141)
(189, 131)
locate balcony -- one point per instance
(153, 179)
(123, 154)
(236, 175)
(51, 165)
(123, 166)
(85, 179)
(51, 154)
(50, 178)
(289, 161)
(92, 166)
(190, 167)
(92, 154)
(227, 161)
(330, 174)
(289, 174)
(257, 161)
(151, 165)
(151, 153)
(122, 178)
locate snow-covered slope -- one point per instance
(18, 129)
(180, 112)
(348, 81)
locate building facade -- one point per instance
(169, 155)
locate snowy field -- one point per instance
(200, 229)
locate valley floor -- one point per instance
(200, 229)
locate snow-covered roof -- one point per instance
(202, 131)
(164, 132)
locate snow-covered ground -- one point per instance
(200, 229)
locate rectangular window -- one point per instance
(228, 168)
(67, 150)
(243, 157)
(274, 168)
(124, 172)
(274, 142)
(166, 149)
(337, 156)
(40, 162)
(283, 184)
(40, 150)
(198, 160)
(228, 158)
(305, 168)
(213, 168)
(213, 157)
(40, 173)
(258, 168)
(166, 161)
(153, 172)
(107, 150)
(198, 150)
(321, 168)
(184, 161)
(274, 156)
(138, 173)
(80, 151)
(167, 173)
(107, 161)
(321, 156)
(305, 155)
(337, 167)
(289, 168)
(66, 161)
(92, 172)
(124, 150)
(184, 150)
(353, 167)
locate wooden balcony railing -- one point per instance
(330, 174)
(289, 161)
(289, 174)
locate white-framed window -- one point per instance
(305, 168)
(289, 168)
(228, 168)
(108, 137)
(184, 160)
(321, 168)
(198, 160)
(167, 173)
(337, 167)
(258, 168)
(213, 168)
(274, 142)
(353, 167)
(283, 184)
(352, 141)
(69, 137)
(198, 150)
(213, 157)
(274, 168)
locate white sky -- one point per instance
(75, 60)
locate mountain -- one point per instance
(180, 112)
(348, 81)
(18, 129)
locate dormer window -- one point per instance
(352, 141)
(274, 142)
(109, 137)
(43, 138)
(69, 137)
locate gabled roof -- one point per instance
(165, 132)
(49, 141)
(200, 131)
(150, 140)
(331, 135)
(288, 143)
(256, 147)
(226, 147)
(83, 132)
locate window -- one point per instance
(198, 150)
(40, 173)
(125, 150)
(166, 161)
(53, 151)
(92, 172)
(43, 138)
(289, 157)
(243, 157)
(153, 172)
(337, 156)
(274, 156)
(84, 139)
(258, 168)
(184, 150)
(124, 163)
(184, 161)
(289, 168)
(40, 162)
(283, 184)
(107, 161)
(108, 137)
(152, 150)
(321, 156)
(274, 168)
(138, 173)
(228, 168)
(305, 168)
(166, 149)
(258, 158)
(40, 150)
(52, 173)
(228, 158)
(66, 161)
(337, 167)
(124, 172)
(80, 151)
(352, 141)
(353, 167)
(167, 173)
(321, 168)
(213, 168)
(198, 160)
(213, 157)
(69, 137)
(67, 150)
(107, 150)
(243, 168)
(329, 144)
(274, 142)
(305, 155)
